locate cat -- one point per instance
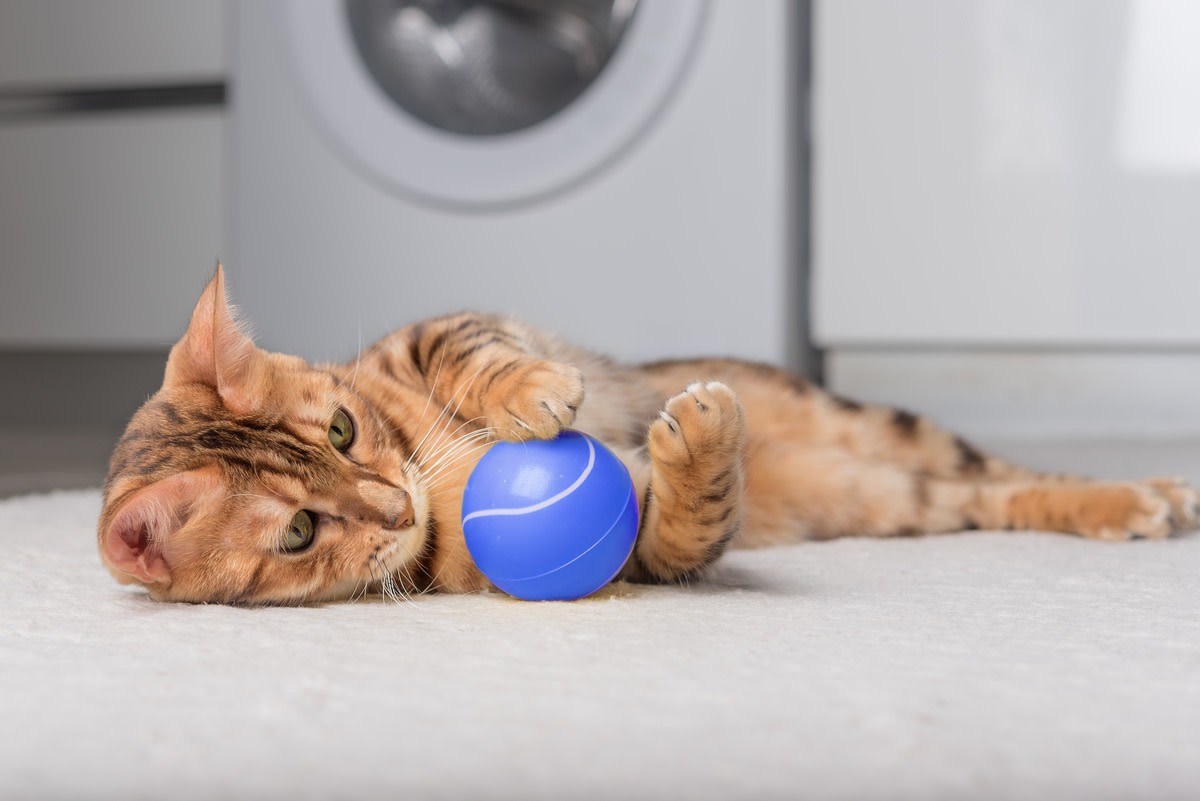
(253, 478)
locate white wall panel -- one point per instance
(1007, 172)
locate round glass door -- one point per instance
(470, 103)
(486, 67)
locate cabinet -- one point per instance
(110, 215)
(1007, 200)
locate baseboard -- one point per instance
(1032, 393)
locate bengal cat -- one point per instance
(251, 477)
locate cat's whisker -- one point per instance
(397, 591)
(450, 451)
(366, 583)
(438, 421)
(436, 430)
(392, 587)
(434, 478)
(465, 392)
(433, 582)
(385, 586)
(406, 576)
(446, 436)
(389, 585)
(341, 382)
(405, 594)
(455, 455)
(443, 438)
(408, 595)
(454, 447)
(358, 361)
(448, 440)
(372, 563)
(425, 408)
(354, 592)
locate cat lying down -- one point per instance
(253, 477)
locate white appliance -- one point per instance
(1007, 210)
(621, 172)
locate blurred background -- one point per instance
(986, 210)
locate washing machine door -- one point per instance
(488, 102)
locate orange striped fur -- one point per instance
(211, 470)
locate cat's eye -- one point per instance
(299, 534)
(341, 431)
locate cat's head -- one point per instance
(251, 477)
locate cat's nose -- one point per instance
(384, 505)
(401, 516)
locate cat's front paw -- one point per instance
(542, 402)
(704, 422)
(696, 484)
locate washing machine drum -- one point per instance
(485, 68)
(488, 102)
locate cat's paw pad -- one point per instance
(1184, 500)
(546, 402)
(1123, 512)
(704, 420)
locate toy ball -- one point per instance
(550, 519)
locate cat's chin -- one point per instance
(400, 555)
(395, 563)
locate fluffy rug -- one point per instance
(981, 665)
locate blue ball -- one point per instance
(550, 519)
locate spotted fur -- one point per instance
(723, 453)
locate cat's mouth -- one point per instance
(405, 549)
(393, 557)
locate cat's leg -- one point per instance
(793, 491)
(692, 505)
(488, 371)
(1099, 510)
(915, 443)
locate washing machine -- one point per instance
(623, 172)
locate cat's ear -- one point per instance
(216, 351)
(138, 541)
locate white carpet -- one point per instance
(965, 666)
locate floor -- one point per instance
(982, 665)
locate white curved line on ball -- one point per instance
(524, 510)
